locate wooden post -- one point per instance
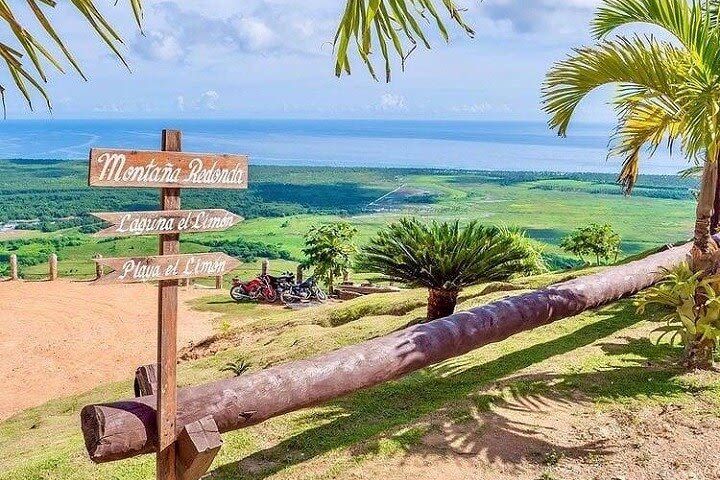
(346, 276)
(53, 267)
(265, 267)
(167, 333)
(197, 445)
(219, 282)
(13, 267)
(146, 380)
(99, 272)
(299, 274)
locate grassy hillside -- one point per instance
(466, 415)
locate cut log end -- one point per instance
(99, 421)
(93, 428)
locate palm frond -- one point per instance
(639, 63)
(394, 25)
(39, 53)
(446, 256)
(685, 20)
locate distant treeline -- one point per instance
(246, 251)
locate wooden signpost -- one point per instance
(184, 454)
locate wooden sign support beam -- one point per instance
(167, 332)
(197, 445)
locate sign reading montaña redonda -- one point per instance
(137, 168)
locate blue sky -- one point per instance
(273, 58)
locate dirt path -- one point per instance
(62, 338)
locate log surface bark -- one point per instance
(125, 429)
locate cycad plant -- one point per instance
(445, 258)
(667, 91)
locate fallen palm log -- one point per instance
(124, 429)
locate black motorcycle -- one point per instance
(302, 292)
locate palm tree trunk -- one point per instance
(441, 303)
(124, 429)
(704, 247)
(715, 221)
(699, 353)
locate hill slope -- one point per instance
(586, 397)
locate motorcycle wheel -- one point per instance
(287, 297)
(319, 294)
(269, 295)
(238, 293)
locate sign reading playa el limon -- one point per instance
(137, 168)
(166, 221)
(167, 267)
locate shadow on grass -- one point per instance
(389, 407)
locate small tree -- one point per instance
(598, 240)
(445, 258)
(329, 248)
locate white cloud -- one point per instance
(209, 100)
(391, 101)
(175, 30)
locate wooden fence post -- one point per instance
(99, 271)
(53, 267)
(219, 282)
(299, 274)
(13, 267)
(265, 267)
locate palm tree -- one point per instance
(667, 91)
(394, 25)
(445, 258)
(26, 79)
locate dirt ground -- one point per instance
(547, 439)
(62, 338)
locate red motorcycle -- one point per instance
(259, 288)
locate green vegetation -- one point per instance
(329, 249)
(237, 367)
(445, 258)
(596, 362)
(37, 47)
(600, 241)
(694, 312)
(666, 93)
(315, 196)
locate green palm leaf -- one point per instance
(28, 78)
(400, 23)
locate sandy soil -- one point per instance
(543, 438)
(62, 338)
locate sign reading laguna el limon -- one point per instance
(137, 168)
(167, 267)
(166, 221)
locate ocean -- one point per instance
(467, 145)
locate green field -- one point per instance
(282, 203)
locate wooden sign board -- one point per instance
(166, 267)
(165, 169)
(166, 221)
